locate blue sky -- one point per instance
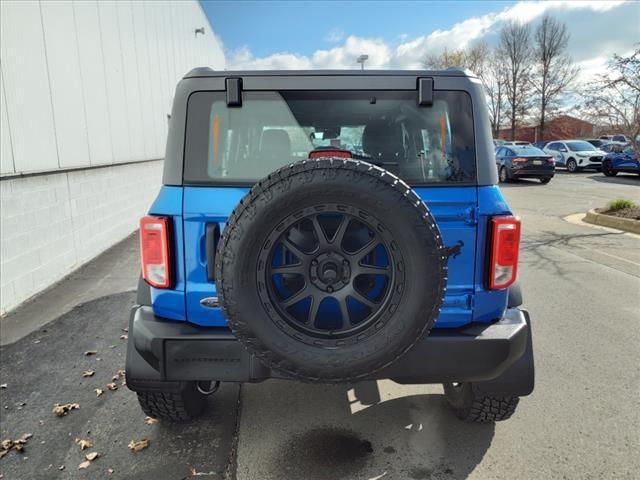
(331, 34)
(269, 27)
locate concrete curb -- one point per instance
(626, 224)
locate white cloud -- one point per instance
(598, 29)
(334, 36)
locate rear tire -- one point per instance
(472, 407)
(572, 166)
(544, 181)
(504, 175)
(173, 406)
(608, 170)
(288, 330)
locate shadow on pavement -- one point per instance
(522, 182)
(46, 367)
(359, 433)
(620, 179)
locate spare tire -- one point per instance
(331, 269)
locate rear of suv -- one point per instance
(332, 226)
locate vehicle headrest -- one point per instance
(383, 140)
(275, 143)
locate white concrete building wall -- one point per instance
(85, 90)
(51, 224)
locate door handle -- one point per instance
(211, 238)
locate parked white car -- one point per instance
(575, 155)
(615, 138)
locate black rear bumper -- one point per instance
(532, 172)
(497, 356)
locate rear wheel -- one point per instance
(504, 175)
(607, 169)
(572, 166)
(545, 180)
(330, 270)
(472, 407)
(173, 406)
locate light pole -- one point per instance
(361, 59)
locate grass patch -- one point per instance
(620, 204)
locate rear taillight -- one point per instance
(155, 251)
(551, 160)
(519, 160)
(505, 244)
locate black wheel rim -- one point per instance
(328, 272)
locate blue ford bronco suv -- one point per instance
(330, 226)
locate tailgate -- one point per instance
(453, 207)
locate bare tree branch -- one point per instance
(613, 99)
(553, 71)
(515, 48)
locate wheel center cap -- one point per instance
(330, 271)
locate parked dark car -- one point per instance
(524, 162)
(596, 142)
(624, 161)
(610, 147)
(541, 144)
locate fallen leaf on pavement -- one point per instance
(126, 329)
(84, 443)
(110, 471)
(90, 352)
(84, 465)
(61, 467)
(3, 453)
(124, 336)
(26, 436)
(4, 385)
(62, 410)
(7, 444)
(88, 373)
(98, 391)
(150, 420)
(136, 446)
(115, 378)
(112, 386)
(92, 456)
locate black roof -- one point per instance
(208, 72)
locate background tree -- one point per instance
(554, 70)
(473, 58)
(515, 48)
(494, 83)
(446, 59)
(613, 99)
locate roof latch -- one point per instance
(234, 92)
(425, 92)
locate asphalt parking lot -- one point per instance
(580, 283)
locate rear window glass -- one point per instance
(530, 151)
(231, 145)
(580, 146)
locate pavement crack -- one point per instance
(232, 463)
